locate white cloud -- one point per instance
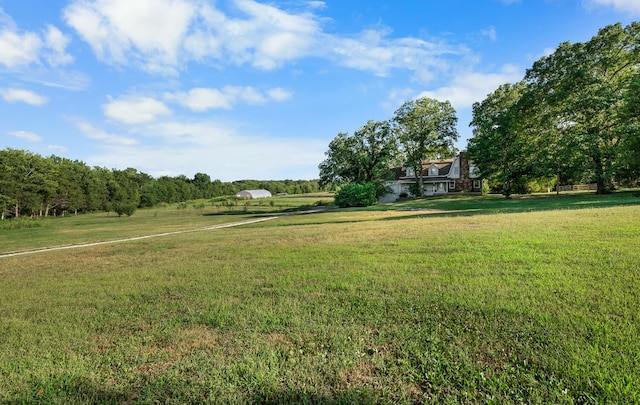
(19, 49)
(171, 148)
(490, 33)
(625, 6)
(165, 37)
(469, 87)
(13, 95)
(317, 4)
(374, 50)
(57, 42)
(57, 148)
(135, 110)
(203, 99)
(279, 94)
(26, 135)
(16, 48)
(99, 135)
(147, 32)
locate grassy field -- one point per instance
(461, 299)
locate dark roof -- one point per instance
(444, 166)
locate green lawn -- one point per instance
(461, 299)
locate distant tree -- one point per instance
(425, 129)
(69, 194)
(202, 185)
(363, 157)
(125, 191)
(97, 185)
(186, 190)
(26, 182)
(150, 193)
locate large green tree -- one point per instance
(426, 129)
(69, 193)
(27, 182)
(498, 146)
(628, 166)
(124, 191)
(363, 157)
(581, 87)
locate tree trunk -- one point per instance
(601, 184)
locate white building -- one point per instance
(251, 194)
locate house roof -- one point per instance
(443, 166)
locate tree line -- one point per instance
(33, 185)
(574, 118)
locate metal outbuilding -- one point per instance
(251, 194)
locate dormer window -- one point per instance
(410, 172)
(433, 171)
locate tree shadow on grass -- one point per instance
(520, 204)
(469, 206)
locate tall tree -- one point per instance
(628, 165)
(581, 86)
(426, 129)
(69, 194)
(26, 182)
(125, 191)
(363, 157)
(497, 145)
(202, 184)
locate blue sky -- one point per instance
(244, 89)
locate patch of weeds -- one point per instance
(20, 223)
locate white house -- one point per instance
(439, 177)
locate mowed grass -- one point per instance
(401, 303)
(27, 233)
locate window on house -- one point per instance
(410, 172)
(434, 171)
(456, 170)
(452, 185)
(476, 184)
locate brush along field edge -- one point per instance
(84, 245)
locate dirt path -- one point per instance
(83, 245)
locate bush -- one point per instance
(485, 187)
(126, 208)
(356, 195)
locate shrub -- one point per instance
(126, 208)
(356, 195)
(485, 187)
